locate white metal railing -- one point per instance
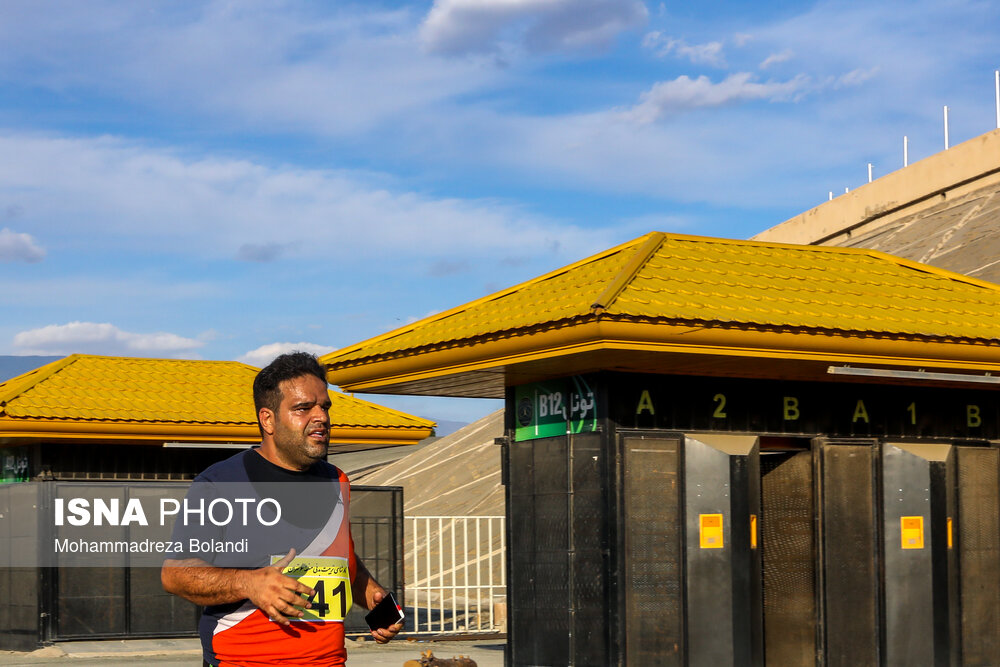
(456, 576)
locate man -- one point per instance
(254, 614)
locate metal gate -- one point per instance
(90, 599)
(457, 582)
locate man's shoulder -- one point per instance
(232, 469)
(250, 466)
(327, 468)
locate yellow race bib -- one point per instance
(330, 578)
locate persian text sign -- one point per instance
(555, 407)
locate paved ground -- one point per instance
(186, 653)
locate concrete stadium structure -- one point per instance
(943, 211)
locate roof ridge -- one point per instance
(484, 299)
(929, 268)
(628, 272)
(849, 250)
(133, 358)
(19, 384)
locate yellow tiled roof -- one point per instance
(707, 282)
(85, 387)
(348, 411)
(136, 391)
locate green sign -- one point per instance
(555, 407)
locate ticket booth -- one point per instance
(732, 452)
(655, 505)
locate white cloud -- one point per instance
(742, 39)
(101, 338)
(335, 69)
(667, 98)
(483, 26)
(703, 54)
(19, 247)
(133, 197)
(856, 77)
(340, 72)
(265, 354)
(776, 58)
(710, 53)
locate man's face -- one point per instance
(302, 422)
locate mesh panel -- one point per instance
(521, 550)
(558, 576)
(377, 529)
(653, 600)
(850, 552)
(590, 590)
(786, 533)
(552, 585)
(91, 602)
(151, 610)
(19, 587)
(539, 548)
(979, 554)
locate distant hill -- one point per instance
(12, 366)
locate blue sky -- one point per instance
(223, 180)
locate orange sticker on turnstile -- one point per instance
(711, 531)
(949, 533)
(912, 532)
(753, 531)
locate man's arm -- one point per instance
(273, 593)
(366, 591)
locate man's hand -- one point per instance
(277, 595)
(384, 635)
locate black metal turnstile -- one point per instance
(787, 541)
(718, 528)
(920, 564)
(678, 584)
(721, 507)
(849, 554)
(977, 536)
(653, 555)
(691, 565)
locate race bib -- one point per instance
(330, 578)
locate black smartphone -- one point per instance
(386, 613)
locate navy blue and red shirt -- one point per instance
(313, 520)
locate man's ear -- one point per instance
(266, 418)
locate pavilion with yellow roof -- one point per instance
(722, 450)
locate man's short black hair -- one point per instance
(266, 392)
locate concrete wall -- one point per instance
(959, 170)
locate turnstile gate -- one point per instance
(698, 549)
(977, 537)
